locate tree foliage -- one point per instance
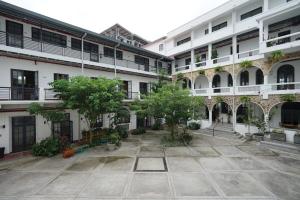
(172, 103)
(90, 97)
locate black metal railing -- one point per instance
(23, 42)
(18, 93)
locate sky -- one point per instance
(150, 19)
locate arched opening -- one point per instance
(248, 112)
(222, 112)
(286, 74)
(259, 77)
(244, 78)
(216, 83)
(201, 82)
(290, 115)
(186, 83)
(229, 80)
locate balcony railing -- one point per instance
(182, 68)
(50, 94)
(247, 54)
(284, 87)
(18, 93)
(249, 88)
(221, 59)
(283, 39)
(201, 91)
(222, 90)
(200, 64)
(28, 43)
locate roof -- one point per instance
(125, 32)
(28, 16)
(157, 40)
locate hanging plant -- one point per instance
(245, 99)
(179, 76)
(246, 64)
(201, 72)
(288, 97)
(219, 69)
(219, 99)
(276, 56)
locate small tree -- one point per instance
(276, 56)
(246, 64)
(90, 97)
(172, 103)
(248, 117)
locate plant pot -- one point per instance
(258, 137)
(2, 150)
(278, 136)
(68, 153)
(297, 139)
(111, 147)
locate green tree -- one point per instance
(90, 97)
(172, 103)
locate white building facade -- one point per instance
(36, 50)
(211, 50)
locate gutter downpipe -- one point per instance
(115, 58)
(233, 71)
(82, 64)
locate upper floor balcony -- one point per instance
(18, 43)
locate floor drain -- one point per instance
(150, 164)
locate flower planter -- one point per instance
(68, 153)
(278, 136)
(258, 137)
(297, 139)
(111, 147)
(2, 149)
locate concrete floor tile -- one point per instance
(86, 164)
(118, 163)
(66, 184)
(284, 186)
(247, 163)
(230, 151)
(239, 184)
(151, 151)
(146, 185)
(216, 163)
(103, 186)
(183, 164)
(150, 164)
(204, 151)
(177, 151)
(192, 184)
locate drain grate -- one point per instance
(150, 164)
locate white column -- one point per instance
(192, 59)
(173, 67)
(209, 51)
(210, 89)
(209, 28)
(261, 31)
(210, 116)
(265, 87)
(266, 5)
(234, 44)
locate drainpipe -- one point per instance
(115, 58)
(82, 65)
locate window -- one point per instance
(109, 52)
(158, 64)
(285, 74)
(141, 60)
(187, 61)
(290, 114)
(180, 42)
(251, 13)
(216, 83)
(206, 31)
(244, 79)
(143, 88)
(14, 36)
(49, 37)
(259, 77)
(58, 76)
(161, 47)
(229, 81)
(99, 122)
(219, 26)
(76, 44)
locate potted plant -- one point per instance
(288, 97)
(297, 138)
(2, 150)
(278, 134)
(68, 152)
(276, 56)
(113, 141)
(219, 69)
(262, 127)
(246, 64)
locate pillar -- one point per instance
(210, 117)
(265, 88)
(209, 51)
(210, 89)
(266, 5)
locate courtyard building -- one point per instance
(36, 50)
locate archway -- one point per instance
(216, 83)
(285, 74)
(250, 76)
(285, 115)
(222, 113)
(201, 82)
(252, 111)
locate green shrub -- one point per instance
(194, 126)
(123, 131)
(47, 147)
(288, 97)
(157, 125)
(246, 64)
(138, 131)
(114, 138)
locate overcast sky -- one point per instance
(149, 19)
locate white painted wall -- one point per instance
(201, 82)
(253, 5)
(248, 45)
(275, 3)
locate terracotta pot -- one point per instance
(68, 153)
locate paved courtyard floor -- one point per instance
(211, 168)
